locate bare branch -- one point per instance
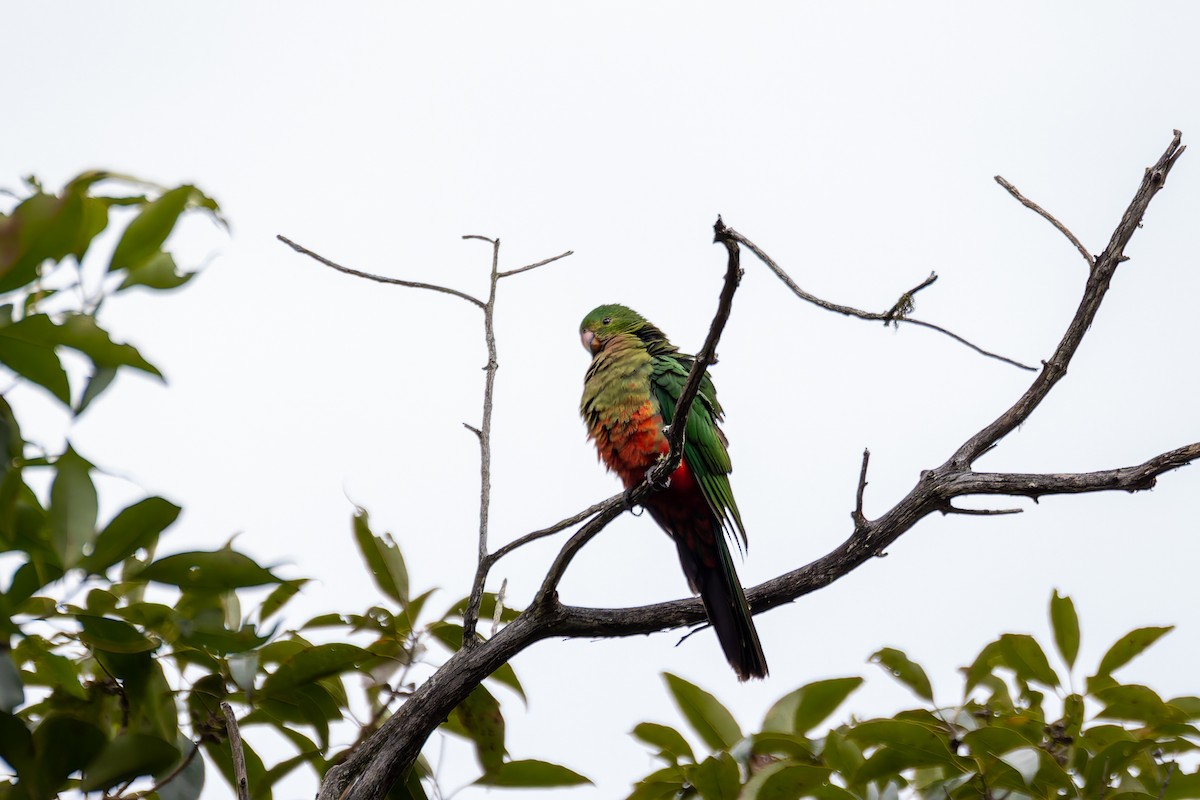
(892, 316)
(170, 776)
(484, 434)
(1094, 291)
(535, 265)
(1025, 201)
(553, 529)
(379, 278)
(857, 514)
(242, 784)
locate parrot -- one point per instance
(629, 396)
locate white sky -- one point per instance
(855, 142)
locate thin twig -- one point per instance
(241, 782)
(1032, 206)
(535, 265)
(380, 278)
(889, 317)
(172, 775)
(857, 515)
(561, 525)
(484, 434)
(1162, 792)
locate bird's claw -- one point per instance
(664, 483)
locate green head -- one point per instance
(607, 322)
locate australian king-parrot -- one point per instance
(629, 395)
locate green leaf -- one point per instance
(215, 571)
(79, 332)
(157, 272)
(794, 746)
(994, 740)
(716, 777)
(479, 718)
(1025, 657)
(1137, 703)
(802, 710)
(36, 363)
(1129, 647)
(113, 635)
(63, 744)
(313, 664)
(279, 597)
(1188, 705)
(383, 559)
(188, 782)
(128, 756)
(47, 227)
(506, 675)
(1065, 623)
(669, 742)
(135, 527)
(145, 234)
(903, 669)
(902, 745)
(711, 721)
(665, 784)
(73, 507)
(533, 775)
(16, 744)
(12, 690)
(101, 379)
(785, 781)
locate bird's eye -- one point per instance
(606, 320)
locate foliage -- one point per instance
(1019, 732)
(115, 660)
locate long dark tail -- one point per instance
(712, 575)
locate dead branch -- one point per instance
(1032, 206)
(894, 316)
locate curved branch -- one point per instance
(894, 316)
(475, 301)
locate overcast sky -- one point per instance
(855, 142)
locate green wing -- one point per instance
(705, 445)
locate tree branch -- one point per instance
(1093, 295)
(894, 316)
(1025, 201)
(241, 783)
(484, 435)
(379, 278)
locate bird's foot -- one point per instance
(658, 484)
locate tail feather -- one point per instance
(728, 612)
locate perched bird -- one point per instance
(629, 395)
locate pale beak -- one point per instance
(589, 341)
